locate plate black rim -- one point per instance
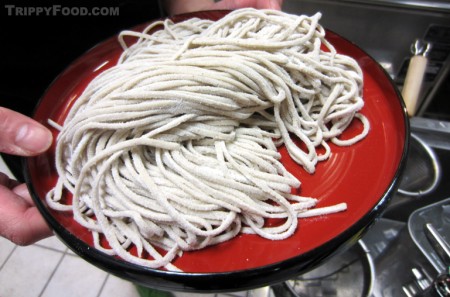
(235, 280)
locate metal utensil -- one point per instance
(422, 173)
(438, 243)
(415, 74)
(441, 285)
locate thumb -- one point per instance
(20, 135)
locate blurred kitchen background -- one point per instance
(387, 30)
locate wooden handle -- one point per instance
(413, 83)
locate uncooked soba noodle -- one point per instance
(175, 147)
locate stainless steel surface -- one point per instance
(438, 85)
(442, 284)
(437, 214)
(434, 133)
(434, 126)
(423, 171)
(400, 266)
(426, 5)
(440, 246)
(421, 47)
(350, 273)
(401, 269)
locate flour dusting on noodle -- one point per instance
(176, 146)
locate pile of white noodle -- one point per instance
(176, 146)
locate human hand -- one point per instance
(182, 6)
(20, 220)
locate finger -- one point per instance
(22, 191)
(19, 222)
(20, 135)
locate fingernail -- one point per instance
(33, 139)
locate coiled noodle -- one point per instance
(175, 147)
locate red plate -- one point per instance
(363, 175)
